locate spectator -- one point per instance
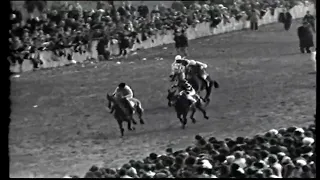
(286, 18)
(310, 19)
(254, 19)
(177, 6)
(240, 158)
(74, 27)
(181, 42)
(143, 10)
(305, 37)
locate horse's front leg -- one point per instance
(133, 120)
(120, 126)
(184, 119)
(179, 117)
(109, 104)
(112, 109)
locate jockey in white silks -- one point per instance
(201, 67)
(177, 67)
(125, 91)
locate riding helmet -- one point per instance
(122, 85)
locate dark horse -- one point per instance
(195, 81)
(182, 106)
(122, 111)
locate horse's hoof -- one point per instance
(134, 122)
(193, 121)
(141, 122)
(133, 128)
(206, 117)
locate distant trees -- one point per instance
(32, 5)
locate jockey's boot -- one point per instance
(191, 99)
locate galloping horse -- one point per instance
(182, 106)
(192, 77)
(123, 112)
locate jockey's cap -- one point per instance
(122, 85)
(178, 57)
(192, 62)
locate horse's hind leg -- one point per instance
(140, 113)
(129, 126)
(193, 111)
(203, 111)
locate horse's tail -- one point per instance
(216, 84)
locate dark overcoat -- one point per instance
(305, 37)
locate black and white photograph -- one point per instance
(162, 89)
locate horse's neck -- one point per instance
(182, 100)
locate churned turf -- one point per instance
(60, 124)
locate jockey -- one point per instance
(188, 90)
(200, 67)
(125, 91)
(176, 66)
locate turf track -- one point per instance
(264, 84)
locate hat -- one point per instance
(307, 141)
(273, 176)
(160, 175)
(301, 162)
(197, 137)
(300, 130)
(230, 159)
(178, 57)
(206, 164)
(273, 131)
(94, 168)
(282, 154)
(132, 171)
(285, 160)
(192, 62)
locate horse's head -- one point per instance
(110, 98)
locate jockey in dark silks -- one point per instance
(124, 91)
(187, 89)
(198, 67)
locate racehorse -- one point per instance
(122, 111)
(182, 106)
(193, 79)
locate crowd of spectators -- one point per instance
(71, 26)
(284, 153)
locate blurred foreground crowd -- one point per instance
(71, 26)
(284, 153)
